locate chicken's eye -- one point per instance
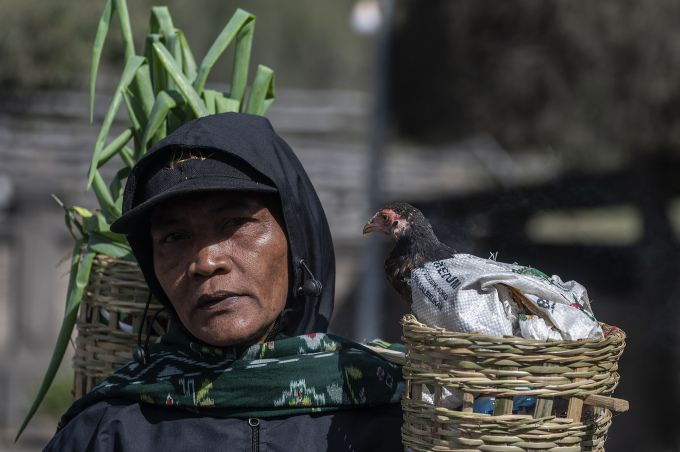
(385, 217)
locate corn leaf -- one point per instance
(262, 93)
(183, 84)
(229, 32)
(80, 274)
(165, 101)
(100, 37)
(133, 63)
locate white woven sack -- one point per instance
(467, 293)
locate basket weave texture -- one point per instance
(561, 374)
(116, 287)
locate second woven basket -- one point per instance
(572, 381)
(109, 319)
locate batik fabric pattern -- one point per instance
(302, 374)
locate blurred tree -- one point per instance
(45, 44)
(48, 45)
(577, 76)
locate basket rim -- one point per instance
(409, 322)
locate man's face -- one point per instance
(222, 260)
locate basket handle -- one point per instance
(611, 403)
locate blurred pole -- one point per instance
(372, 281)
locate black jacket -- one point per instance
(121, 425)
(118, 425)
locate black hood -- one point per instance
(251, 139)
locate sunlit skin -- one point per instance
(222, 260)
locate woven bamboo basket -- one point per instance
(572, 381)
(109, 319)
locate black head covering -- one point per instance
(248, 155)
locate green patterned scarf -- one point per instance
(303, 374)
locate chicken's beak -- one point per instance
(370, 227)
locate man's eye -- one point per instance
(237, 221)
(173, 237)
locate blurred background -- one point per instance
(545, 131)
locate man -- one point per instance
(232, 239)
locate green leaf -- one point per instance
(133, 63)
(165, 101)
(97, 224)
(208, 96)
(125, 29)
(172, 44)
(103, 245)
(239, 73)
(225, 104)
(83, 212)
(94, 222)
(160, 21)
(102, 31)
(128, 156)
(80, 274)
(161, 24)
(134, 114)
(177, 118)
(188, 63)
(116, 187)
(105, 200)
(262, 93)
(115, 146)
(157, 71)
(183, 84)
(229, 32)
(70, 219)
(142, 89)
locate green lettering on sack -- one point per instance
(539, 274)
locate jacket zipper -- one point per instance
(255, 425)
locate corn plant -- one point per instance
(162, 89)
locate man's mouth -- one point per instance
(217, 300)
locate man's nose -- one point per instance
(210, 259)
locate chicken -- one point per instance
(416, 243)
(464, 293)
